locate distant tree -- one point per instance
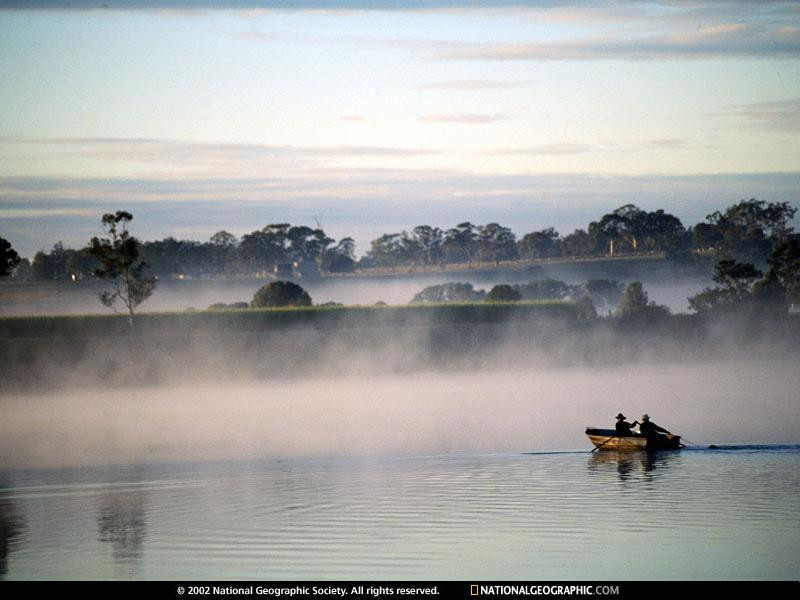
(341, 258)
(118, 256)
(223, 239)
(496, 243)
(603, 292)
(586, 308)
(460, 243)
(23, 270)
(548, 289)
(631, 229)
(449, 292)
(428, 245)
(50, 265)
(633, 300)
(393, 250)
(503, 293)
(280, 293)
(634, 303)
(232, 305)
(750, 229)
(578, 243)
(9, 259)
(735, 287)
(785, 267)
(540, 244)
(706, 236)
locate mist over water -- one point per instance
(489, 410)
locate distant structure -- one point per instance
(298, 269)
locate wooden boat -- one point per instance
(607, 439)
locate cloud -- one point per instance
(203, 157)
(543, 150)
(463, 118)
(723, 40)
(328, 5)
(778, 115)
(470, 85)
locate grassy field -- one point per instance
(268, 320)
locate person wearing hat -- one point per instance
(650, 429)
(623, 427)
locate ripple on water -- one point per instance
(549, 516)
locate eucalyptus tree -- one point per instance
(120, 264)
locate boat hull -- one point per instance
(607, 439)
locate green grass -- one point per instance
(253, 320)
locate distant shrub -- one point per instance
(548, 289)
(233, 305)
(634, 304)
(280, 293)
(449, 292)
(503, 293)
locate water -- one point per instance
(732, 513)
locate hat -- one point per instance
(645, 417)
(620, 416)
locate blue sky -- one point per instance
(376, 119)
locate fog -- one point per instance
(663, 287)
(517, 410)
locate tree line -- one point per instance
(748, 231)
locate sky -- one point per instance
(372, 117)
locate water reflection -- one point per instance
(12, 525)
(121, 523)
(631, 465)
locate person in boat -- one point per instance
(622, 427)
(650, 429)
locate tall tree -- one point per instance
(9, 258)
(750, 229)
(735, 287)
(118, 255)
(540, 244)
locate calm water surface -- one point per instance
(732, 513)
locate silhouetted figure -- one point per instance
(622, 427)
(650, 429)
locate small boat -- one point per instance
(607, 439)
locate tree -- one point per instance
(503, 293)
(735, 287)
(223, 239)
(120, 264)
(634, 303)
(750, 229)
(548, 289)
(540, 244)
(279, 294)
(781, 285)
(341, 258)
(449, 292)
(429, 244)
(578, 243)
(603, 292)
(460, 243)
(496, 243)
(9, 258)
(52, 265)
